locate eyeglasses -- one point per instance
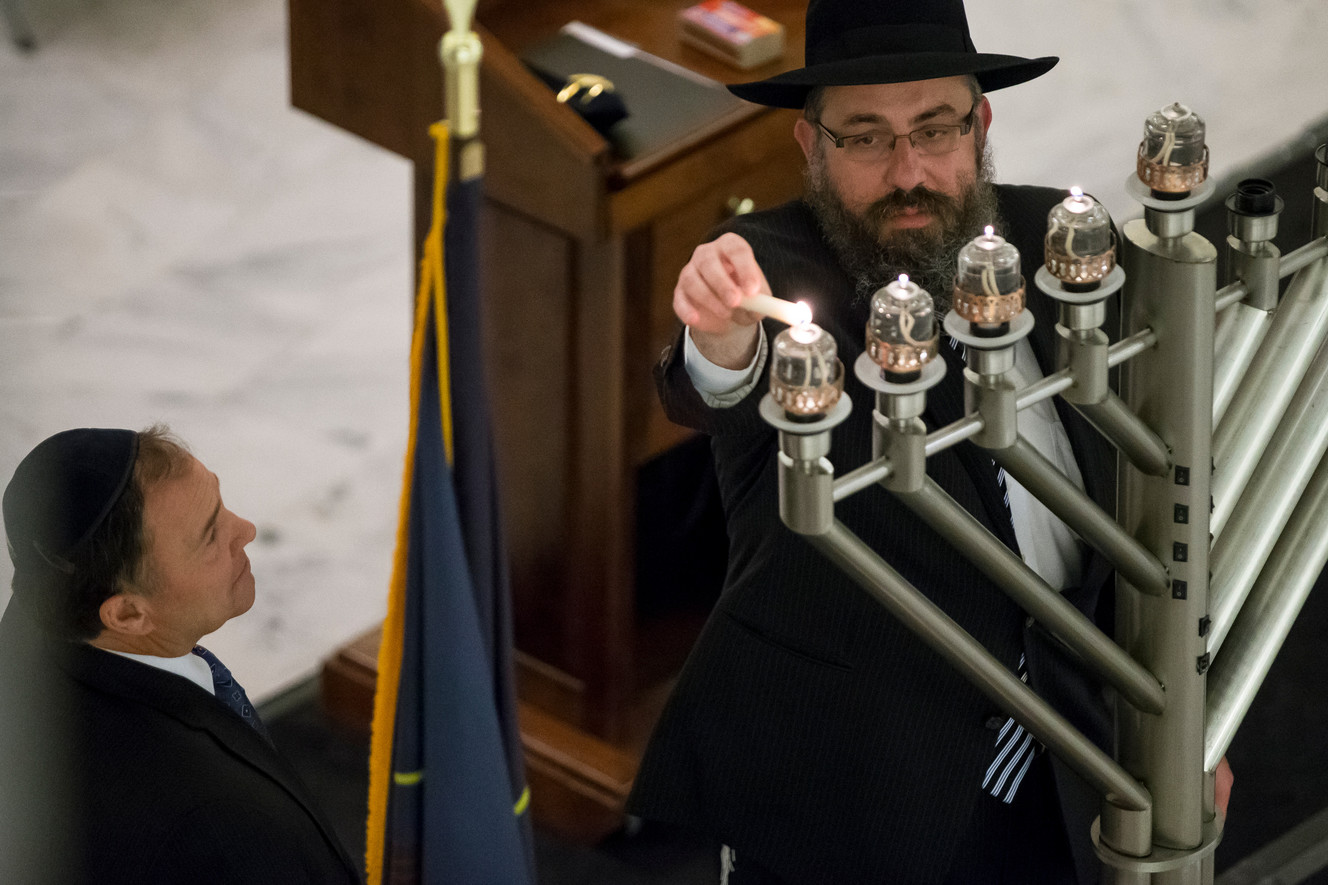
(877, 144)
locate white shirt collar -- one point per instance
(190, 666)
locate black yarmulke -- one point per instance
(62, 491)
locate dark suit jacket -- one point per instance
(808, 728)
(112, 771)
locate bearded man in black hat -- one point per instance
(810, 732)
(128, 752)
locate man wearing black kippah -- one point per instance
(128, 752)
(810, 733)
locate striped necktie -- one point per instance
(230, 692)
(1015, 747)
(1015, 751)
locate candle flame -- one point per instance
(805, 333)
(804, 313)
(988, 230)
(1076, 202)
(903, 279)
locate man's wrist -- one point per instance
(732, 350)
(721, 387)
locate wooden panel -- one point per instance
(348, 681)
(550, 689)
(578, 784)
(599, 603)
(766, 144)
(528, 344)
(372, 74)
(544, 160)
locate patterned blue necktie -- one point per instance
(230, 692)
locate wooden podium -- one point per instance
(582, 249)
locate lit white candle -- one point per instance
(789, 312)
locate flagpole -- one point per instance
(460, 51)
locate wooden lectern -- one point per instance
(582, 252)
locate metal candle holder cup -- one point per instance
(989, 290)
(1173, 159)
(806, 376)
(1080, 249)
(902, 335)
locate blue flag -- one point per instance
(447, 796)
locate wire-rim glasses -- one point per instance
(930, 141)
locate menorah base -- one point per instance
(1160, 860)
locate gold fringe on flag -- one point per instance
(431, 294)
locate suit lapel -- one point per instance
(179, 699)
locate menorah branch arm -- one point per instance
(865, 476)
(1231, 294)
(1236, 340)
(1290, 263)
(1063, 498)
(1048, 387)
(1269, 499)
(971, 425)
(1264, 396)
(1063, 380)
(965, 428)
(923, 618)
(1128, 348)
(1139, 687)
(1128, 433)
(1301, 258)
(1266, 618)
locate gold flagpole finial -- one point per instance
(460, 13)
(460, 51)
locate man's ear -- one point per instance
(806, 134)
(126, 614)
(984, 113)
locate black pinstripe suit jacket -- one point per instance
(808, 729)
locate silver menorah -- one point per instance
(1220, 426)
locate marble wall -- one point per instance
(1252, 70)
(177, 244)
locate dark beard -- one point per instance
(927, 255)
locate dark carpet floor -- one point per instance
(332, 760)
(1280, 755)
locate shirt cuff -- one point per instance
(720, 387)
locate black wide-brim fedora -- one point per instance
(857, 42)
